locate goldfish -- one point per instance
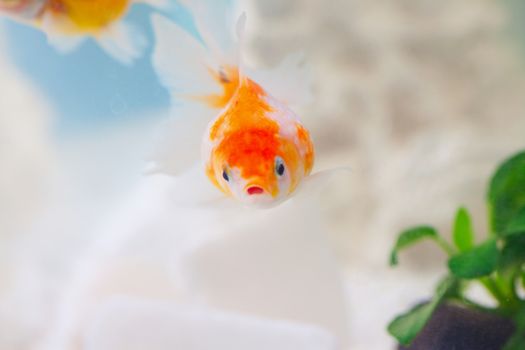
(253, 147)
(67, 23)
(256, 150)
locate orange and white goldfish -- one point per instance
(253, 146)
(256, 150)
(67, 23)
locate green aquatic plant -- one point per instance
(497, 263)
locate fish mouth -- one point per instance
(257, 196)
(253, 190)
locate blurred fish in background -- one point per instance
(421, 98)
(67, 23)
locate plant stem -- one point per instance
(514, 280)
(472, 304)
(494, 289)
(445, 246)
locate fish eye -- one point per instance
(225, 175)
(279, 166)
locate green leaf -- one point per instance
(513, 253)
(463, 234)
(409, 237)
(449, 286)
(407, 326)
(477, 262)
(506, 194)
(517, 341)
(517, 224)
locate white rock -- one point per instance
(138, 324)
(275, 263)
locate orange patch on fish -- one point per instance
(304, 138)
(247, 108)
(252, 150)
(89, 16)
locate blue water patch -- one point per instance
(88, 88)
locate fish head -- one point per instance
(257, 166)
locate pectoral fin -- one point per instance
(65, 44)
(123, 41)
(180, 139)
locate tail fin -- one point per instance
(195, 68)
(216, 21)
(204, 68)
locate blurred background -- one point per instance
(420, 98)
